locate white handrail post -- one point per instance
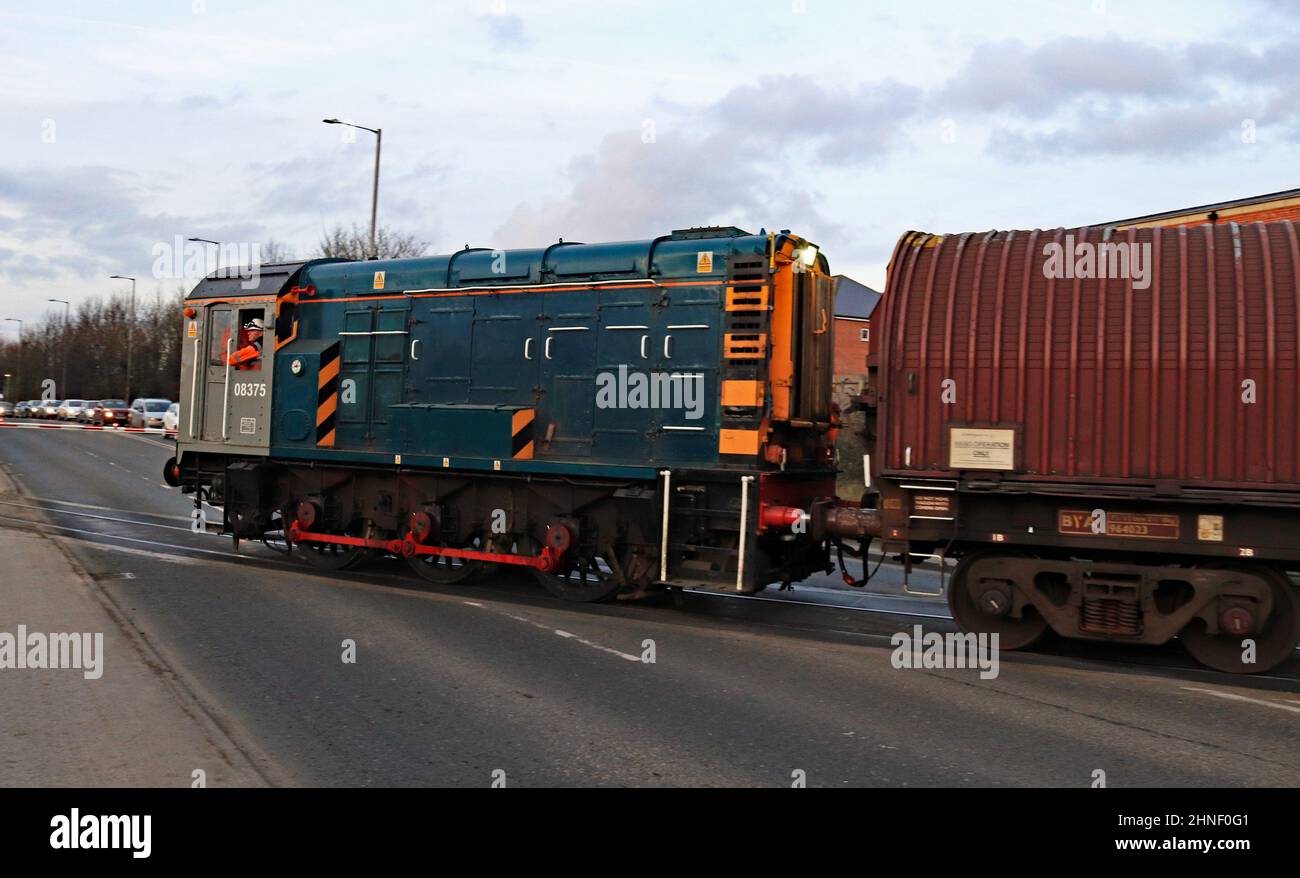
(663, 545)
(744, 525)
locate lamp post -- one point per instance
(66, 307)
(217, 244)
(130, 331)
(20, 347)
(374, 194)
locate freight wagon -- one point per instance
(616, 418)
(1104, 426)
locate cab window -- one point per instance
(219, 320)
(251, 335)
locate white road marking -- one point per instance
(1232, 697)
(565, 634)
(156, 556)
(106, 517)
(114, 508)
(585, 642)
(142, 438)
(229, 555)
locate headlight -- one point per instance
(808, 255)
(108, 414)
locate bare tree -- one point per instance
(96, 348)
(274, 252)
(354, 243)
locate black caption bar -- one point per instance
(125, 828)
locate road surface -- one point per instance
(497, 681)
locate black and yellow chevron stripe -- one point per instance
(327, 396)
(521, 431)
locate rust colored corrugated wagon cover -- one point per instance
(1163, 356)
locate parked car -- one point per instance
(6, 409)
(172, 417)
(49, 408)
(148, 412)
(112, 413)
(70, 409)
(24, 408)
(87, 413)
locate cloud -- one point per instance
(90, 220)
(844, 127)
(731, 162)
(209, 102)
(313, 192)
(507, 30)
(1163, 131)
(1119, 97)
(1036, 81)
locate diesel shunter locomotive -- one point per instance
(615, 418)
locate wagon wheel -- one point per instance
(1275, 637)
(332, 556)
(442, 570)
(582, 577)
(978, 614)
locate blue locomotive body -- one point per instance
(615, 348)
(449, 408)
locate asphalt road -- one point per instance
(464, 685)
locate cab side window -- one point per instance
(219, 339)
(249, 342)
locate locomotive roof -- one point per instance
(704, 253)
(240, 281)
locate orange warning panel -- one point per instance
(738, 442)
(746, 393)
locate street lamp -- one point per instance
(66, 306)
(20, 346)
(217, 244)
(130, 331)
(374, 195)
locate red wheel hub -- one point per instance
(1237, 621)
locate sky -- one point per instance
(127, 125)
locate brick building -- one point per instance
(1283, 205)
(854, 303)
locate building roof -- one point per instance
(854, 300)
(1220, 210)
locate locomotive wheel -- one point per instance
(1275, 638)
(332, 556)
(442, 570)
(582, 577)
(972, 618)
